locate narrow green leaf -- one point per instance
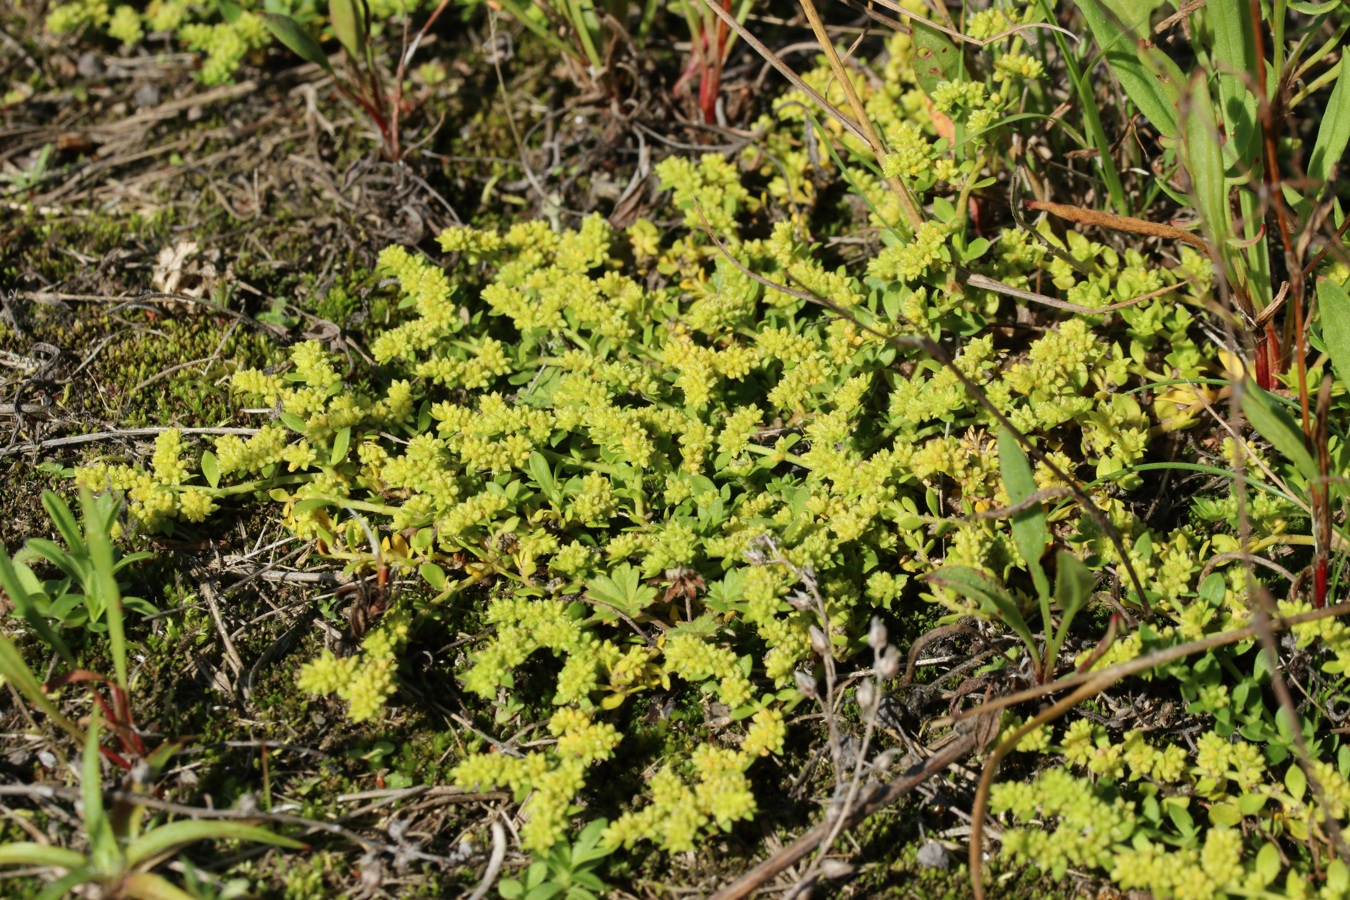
(211, 469)
(63, 519)
(175, 836)
(1334, 132)
(21, 598)
(1150, 78)
(63, 886)
(57, 556)
(25, 853)
(1028, 526)
(104, 853)
(341, 441)
(1203, 155)
(349, 25)
(1333, 313)
(1274, 423)
(149, 886)
(1235, 55)
(297, 39)
(104, 583)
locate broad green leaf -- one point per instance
(433, 575)
(1150, 78)
(936, 58)
(1295, 781)
(1274, 423)
(349, 25)
(1073, 583)
(1334, 132)
(542, 474)
(1333, 313)
(341, 441)
(297, 39)
(1028, 526)
(211, 468)
(175, 836)
(621, 590)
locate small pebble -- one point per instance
(146, 95)
(933, 855)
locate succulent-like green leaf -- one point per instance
(26, 853)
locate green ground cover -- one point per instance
(546, 455)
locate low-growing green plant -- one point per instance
(566, 871)
(122, 853)
(352, 22)
(1073, 580)
(54, 598)
(225, 32)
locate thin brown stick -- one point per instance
(981, 806)
(1153, 660)
(967, 741)
(1081, 216)
(113, 435)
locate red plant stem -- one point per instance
(1271, 175)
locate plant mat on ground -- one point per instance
(625, 595)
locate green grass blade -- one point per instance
(105, 582)
(297, 39)
(26, 853)
(175, 836)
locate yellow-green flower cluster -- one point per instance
(720, 794)
(551, 779)
(365, 679)
(909, 261)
